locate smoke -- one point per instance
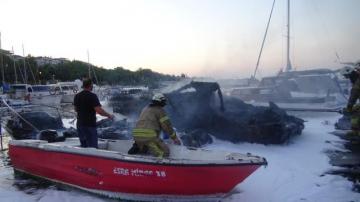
(175, 86)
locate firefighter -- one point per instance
(151, 122)
(353, 73)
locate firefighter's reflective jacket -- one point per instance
(152, 120)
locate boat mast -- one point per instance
(25, 75)
(13, 57)
(288, 63)
(2, 63)
(89, 70)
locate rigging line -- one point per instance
(18, 115)
(57, 108)
(263, 42)
(21, 74)
(93, 69)
(88, 61)
(32, 73)
(13, 58)
(24, 59)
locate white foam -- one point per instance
(295, 172)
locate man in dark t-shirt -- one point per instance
(87, 105)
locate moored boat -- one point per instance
(41, 95)
(109, 170)
(33, 94)
(67, 90)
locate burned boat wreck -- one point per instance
(194, 107)
(49, 126)
(195, 113)
(28, 124)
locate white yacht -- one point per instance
(36, 94)
(41, 94)
(67, 90)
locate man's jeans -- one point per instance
(88, 136)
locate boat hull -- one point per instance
(67, 98)
(121, 176)
(52, 100)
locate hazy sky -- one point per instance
(195, 37)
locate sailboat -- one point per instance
(34, 94)
(317, 88)
(21, 94)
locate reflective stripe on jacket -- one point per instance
(142, 132)
(151, 121)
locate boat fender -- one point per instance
(52, 91)
(75, 90)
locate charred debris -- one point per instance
(46, 123)
(198, 111)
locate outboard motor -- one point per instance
(50, 136)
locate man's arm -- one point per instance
(102, 112)
(99, 109)
(167, 127)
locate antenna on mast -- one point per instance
(288, 63)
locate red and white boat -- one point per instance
(109, 170)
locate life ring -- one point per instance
(52, 91)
